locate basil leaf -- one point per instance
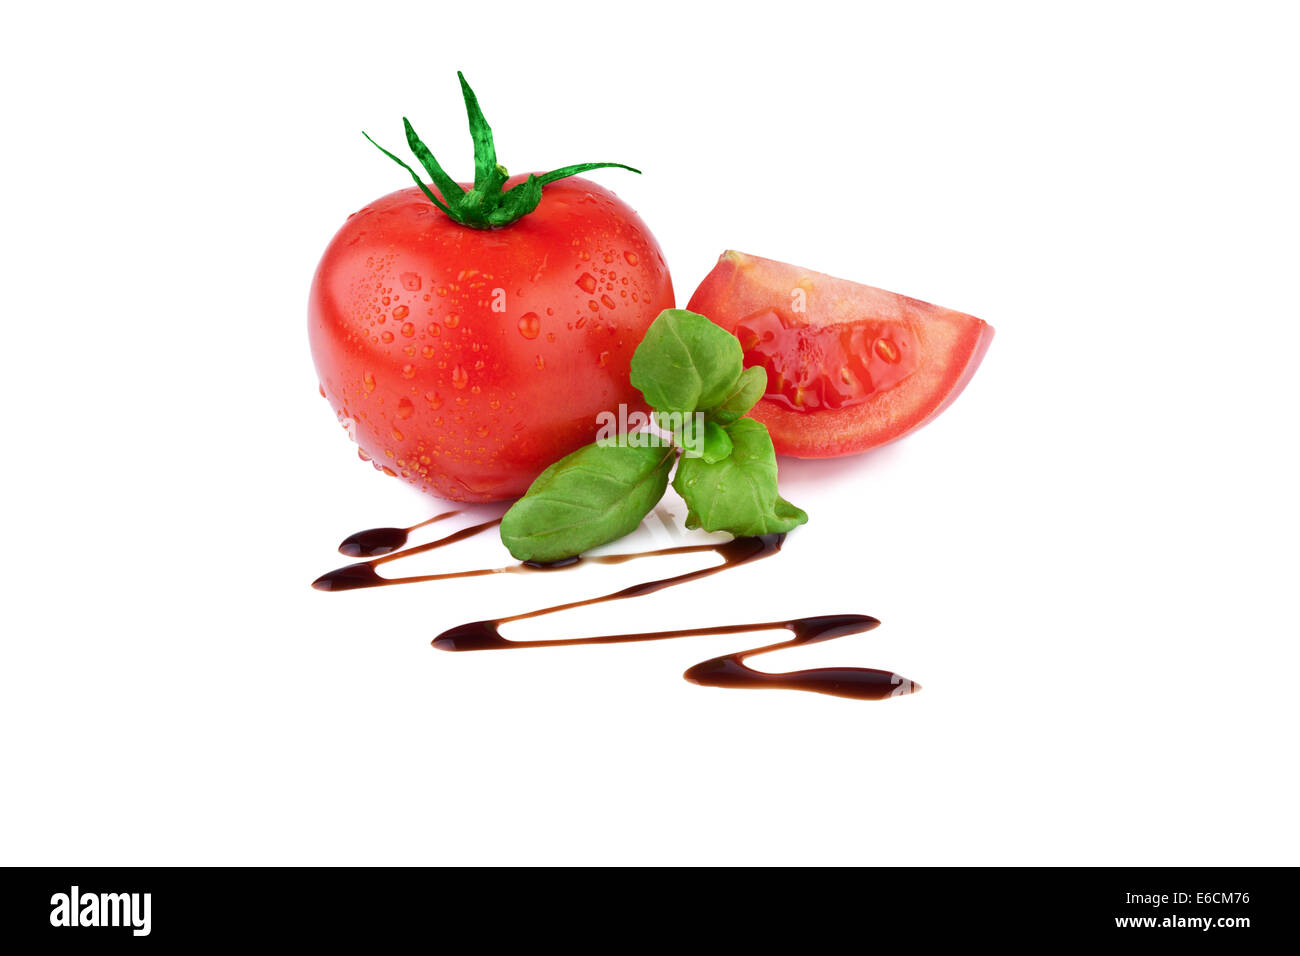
(685, 362)
(588, 498)
(749, 388)
(696, 435)
(738, 494)
(716, 444)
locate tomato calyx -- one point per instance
(485, 206)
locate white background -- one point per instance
(1089, 561)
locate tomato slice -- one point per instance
(849, 366)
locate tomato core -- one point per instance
(810, 368)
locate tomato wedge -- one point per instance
(849, 366)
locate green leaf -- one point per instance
(738, 494)
(695, 434)
(588, 498)
(685, 362)
(749, 388)
(717, 443)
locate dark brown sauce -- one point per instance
(376, 541)
(364, 575)
(729, 670)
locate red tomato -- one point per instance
(467, 360)
(848, 366)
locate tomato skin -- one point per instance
(466, 361)
(951, 345)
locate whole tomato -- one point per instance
(465, 354)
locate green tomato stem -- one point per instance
(485, 206)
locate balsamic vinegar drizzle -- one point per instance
(730, 670)
(363, 574)
(376, 541)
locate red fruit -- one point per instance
(470, 360)
(849, 367)
(469, 337)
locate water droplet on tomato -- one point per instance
(587, 283)
(459, 377)
(410, 281)
(398, 436)
(400, 313)
(408, 329)
(434, 400)
(451, 321)
(603, 360)
(386, 336)
(368, 380)
(408, 371)
(320, 388)
(607, 301)
(404, 408)
(530, 325)
(541, 363)
(631, 257)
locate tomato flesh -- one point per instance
(811, 368)
(849, 366)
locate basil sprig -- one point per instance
(684, 364)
